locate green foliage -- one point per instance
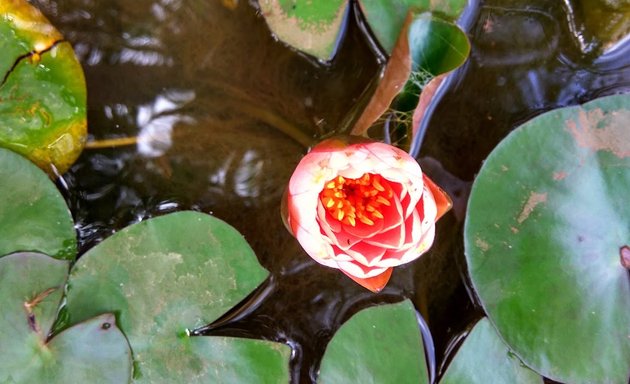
(427, 47)
(547, 218)
(166, 276)
(436, 46)
(386, 17)
(33, 214)
(43, 93)
(381, 344)
(31, 288)
(484, 358)
(162, 278)
(315, 27)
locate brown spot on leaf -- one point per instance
(624, 254)
(533, 200)
(488, 25)
(559, 175)
(602, 132)
(482, 245)
(29, 307)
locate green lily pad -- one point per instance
(380, 344)
(386, 17)
(166, 276)
(33, 214)
(23, 29)
(484, 358)
(31, 287)
(436, 46)
(43, 93)
(315, 27)
(547, 221)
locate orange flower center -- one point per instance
(362, 199)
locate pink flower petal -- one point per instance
(362, 230)
(392, 239)
(344, 240)
(396, 258)
(302, 210)
(358, 270)
(375, 283)
(311, 174)
(316, 246)
(332, 228)
(392, 215)
(413, 231)
(429, 207)
(442, 200)
(341, 255)
(366, 254)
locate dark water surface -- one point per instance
(211, 97)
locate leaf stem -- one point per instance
(112, 143)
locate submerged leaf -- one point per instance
(167, 276)
(600, 25)
(547, 218)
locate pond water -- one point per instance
(210, 113)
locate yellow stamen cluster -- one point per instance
(349, 200)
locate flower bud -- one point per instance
(363, 207)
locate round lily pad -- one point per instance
(547, 224)
(380, 344)
(314, 27)
(484, 358)
(31, 287)
(42, 93)
(165, 277)
(33, 214)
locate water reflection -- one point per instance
(525, 59)
(156, 121)
(598, 26)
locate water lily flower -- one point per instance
(363, 207)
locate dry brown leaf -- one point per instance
(394, 78)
